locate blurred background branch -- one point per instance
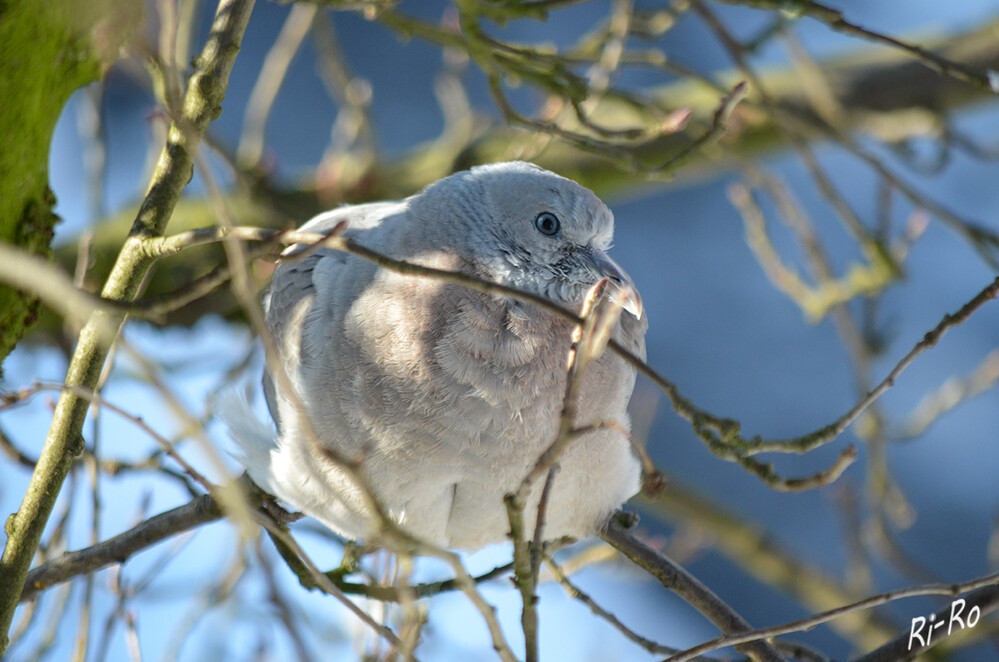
(886, 94)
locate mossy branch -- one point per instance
(50, 48)
(202, 104)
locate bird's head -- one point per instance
(526, 227)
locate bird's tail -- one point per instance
(256, 439)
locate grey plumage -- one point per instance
(447, 395)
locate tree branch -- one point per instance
(120, 548)
(202, 103)
(577, 593)
(987, 596)
(748, 547)
(50, 48)
(678, 580)
(872, 85)
(835, 20)
(204, 509)
(949, 321)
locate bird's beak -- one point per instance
(620, 288)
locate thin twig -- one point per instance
(987, 584)
(95, 399)
(202, 510)
(111, 467)
(538, 541)
(575, 592)
(722, 435)
(834, 19)
(285, 613)
(713, 133)
(588, 341)
(523, 575)
(750, 548)
(929, 340)
(678, 580)
(950, 394)
(986, 599)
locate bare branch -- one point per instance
(949, 395)
(748, 546)
(985, 598)
(830, 292)
(721, 435)
(989, 596)
(875, 85)
(714, 132)
(575, 592)
(322, 580)
(931, 338)
(678, 580)
(834, 19)
(120, 548)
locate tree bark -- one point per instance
(49, 49)
(202, 103)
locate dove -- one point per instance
(444, 397)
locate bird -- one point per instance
(441, 396)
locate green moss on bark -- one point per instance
(48, 49)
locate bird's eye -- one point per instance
(547, 224)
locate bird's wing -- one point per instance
(326, 274)
(291, 291)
